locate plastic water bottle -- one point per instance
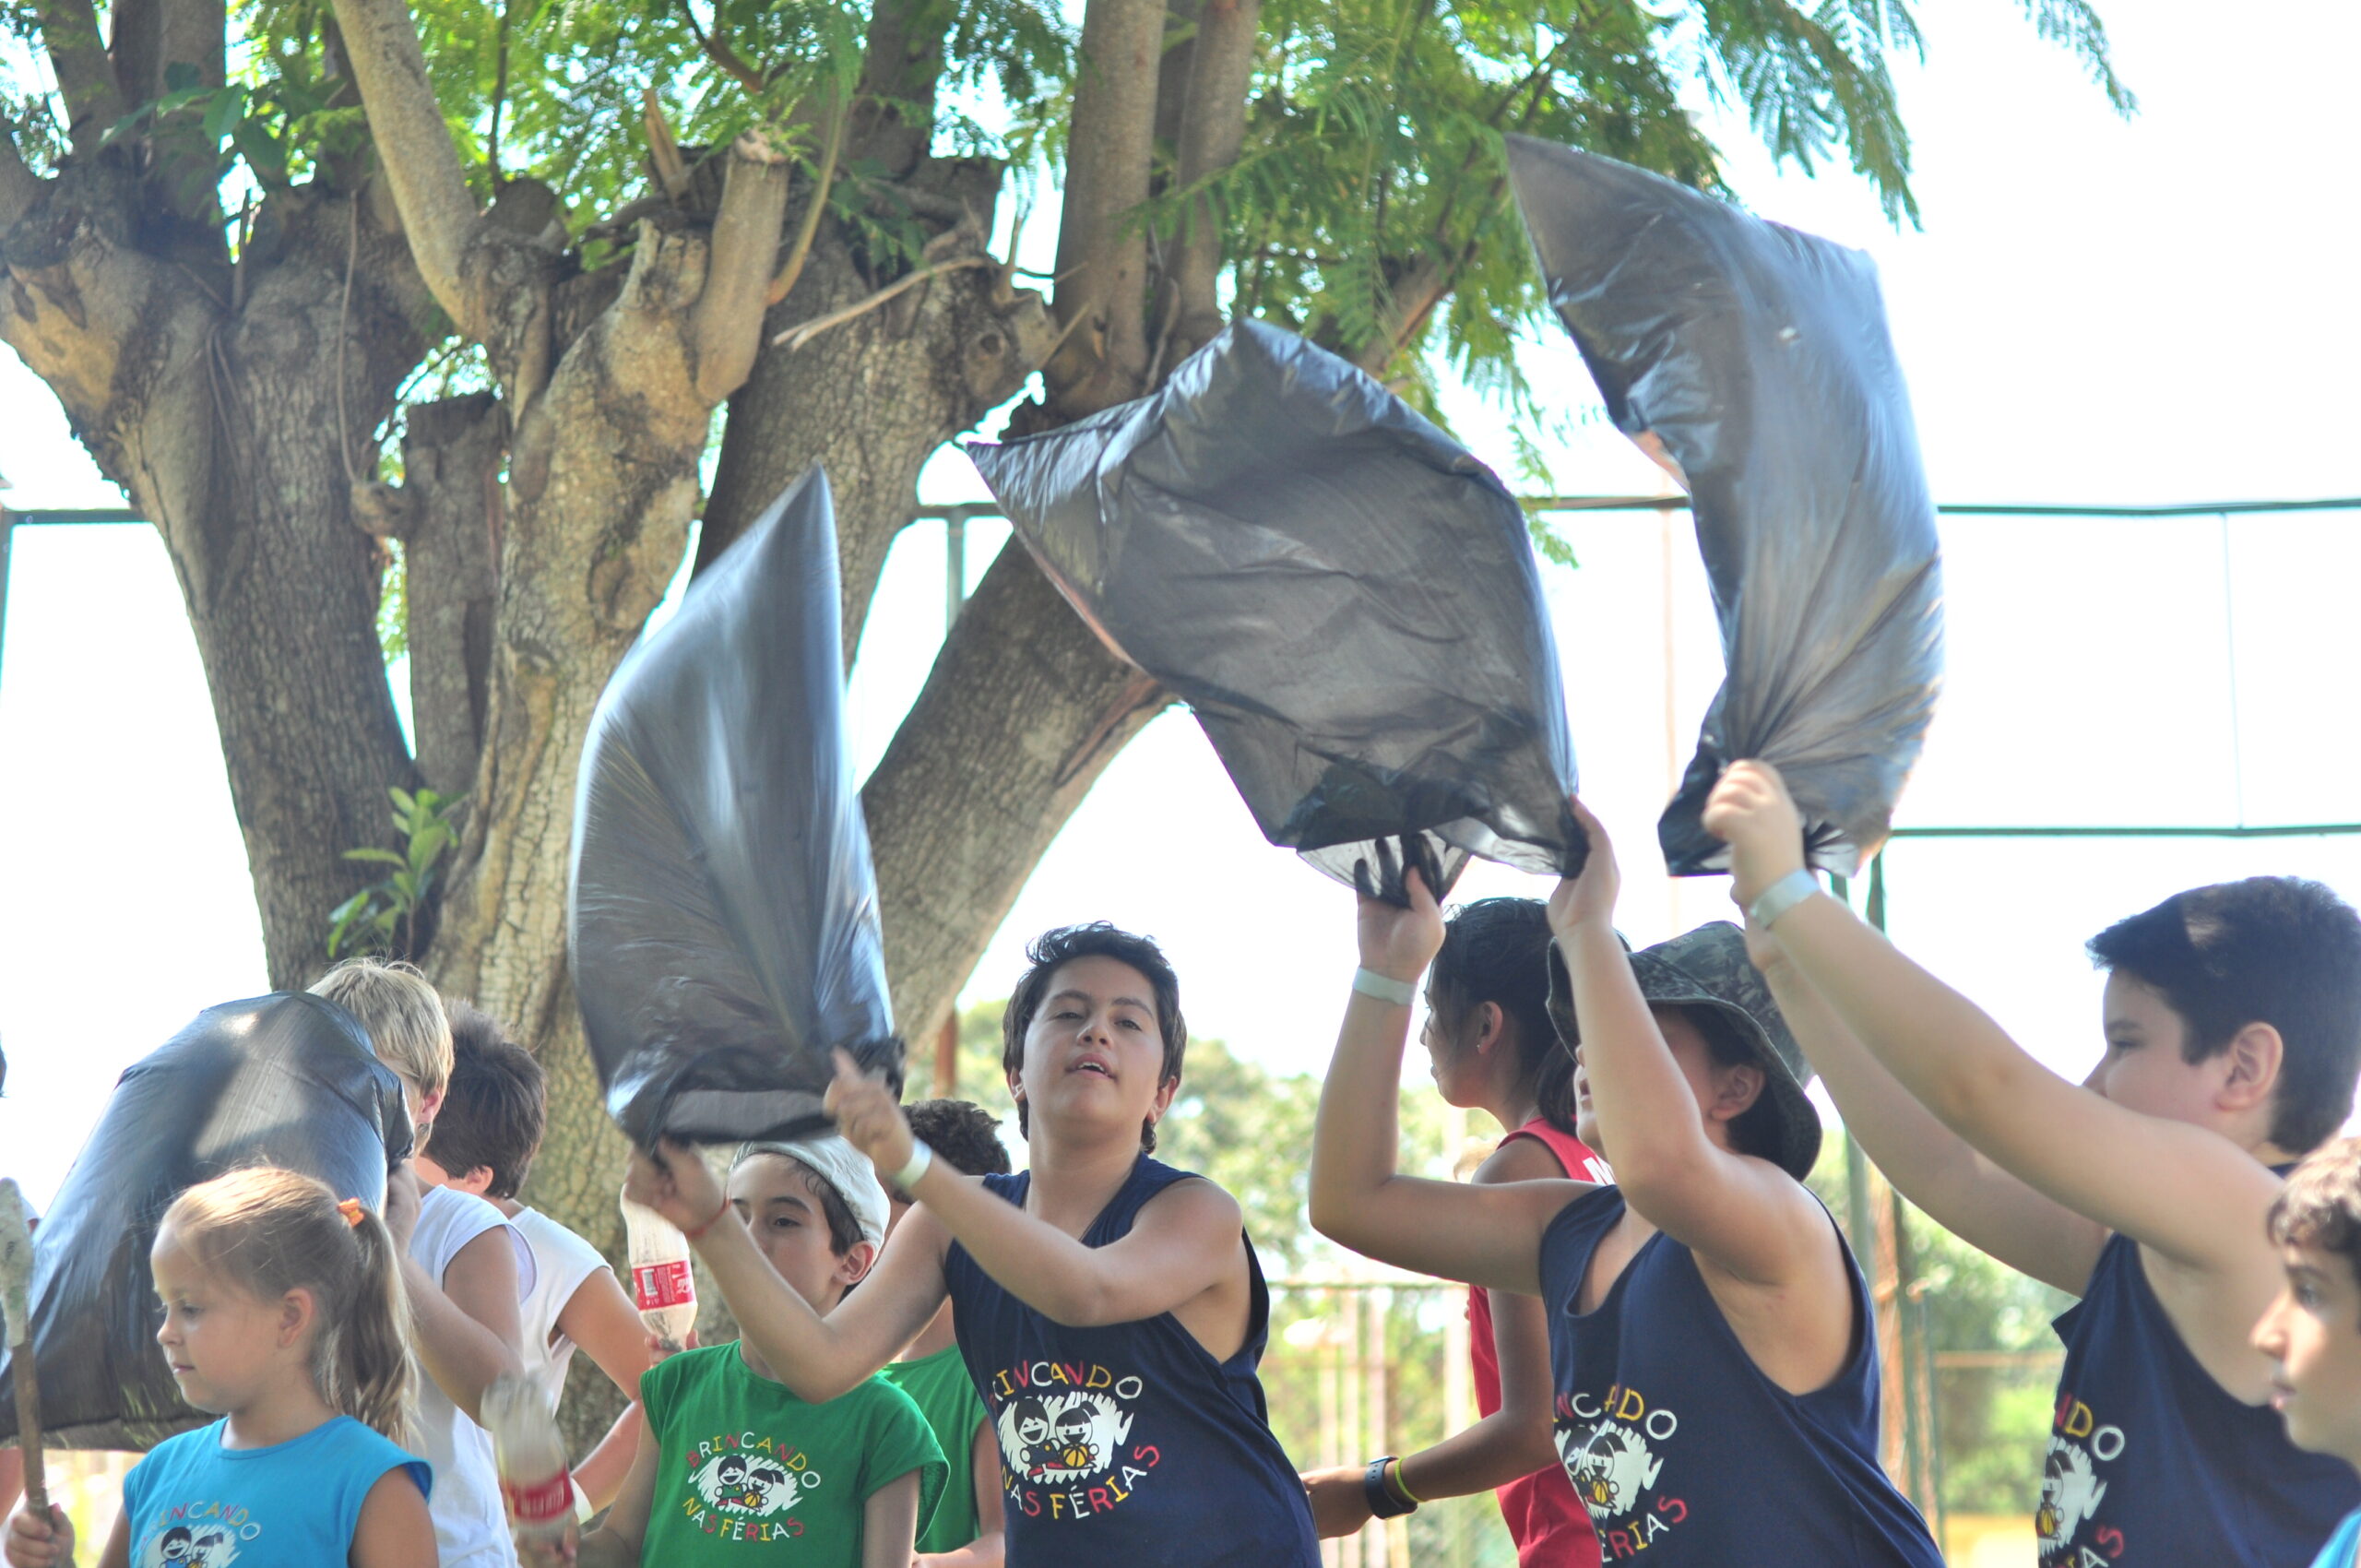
(535, 1481)
(661, 1285)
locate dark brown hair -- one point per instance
(2274, 950)
(494, 1107)
(1052, 951)
(2321, 1205)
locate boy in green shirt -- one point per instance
(734, 1469)
(969, 1530)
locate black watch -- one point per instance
(1382, 1503)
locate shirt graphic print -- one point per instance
(1064, 1430)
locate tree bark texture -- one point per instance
(871, 399)
(1024, 710)
(451, 454)
(218, 417)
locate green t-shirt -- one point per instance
(745, 1462)
(945, 1396)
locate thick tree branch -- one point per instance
(900, 66)
(1024, 710)
(415, 149)
(1102, 255)
(69, 29)
(19, 187)
(729, 319)
(1212, 129)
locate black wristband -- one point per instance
(1383, 1504)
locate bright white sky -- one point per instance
(2098, 311)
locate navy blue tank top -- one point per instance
(1129, 1444)
(2151, 1461)
(1682, 1449)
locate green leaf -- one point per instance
(223, 110)
(261, 150)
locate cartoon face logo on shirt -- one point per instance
(1061, 1437)
(749, 1485)
(2070, 1491)
(186, 1547)
(1610, 1467)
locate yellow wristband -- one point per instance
(1401, 1488)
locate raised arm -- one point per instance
(2193, 1195)
(1929, 1163)
(1489, 1236)
(1744, 1215)
(1194, 1246)
(817, 1357)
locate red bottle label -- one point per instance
(542, 1502)
(657, 1285)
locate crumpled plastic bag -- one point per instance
(1344, 595)
(286, 1079)
(1756, 360)
(723, 924)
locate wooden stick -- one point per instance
(27, 1375)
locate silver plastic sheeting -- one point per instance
(724, 931)
(1344, 596)
(286, 1079)
(1756, 360)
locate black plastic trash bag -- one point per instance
(724, 918)
(1757, 359)
(1344, 596)
(286, 1079)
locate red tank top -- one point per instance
(1548, 1523)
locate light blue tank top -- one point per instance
(2342, 1546)
(193, 1504)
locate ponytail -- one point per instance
(270, 1232)
(368, 1372)
(1497, 950)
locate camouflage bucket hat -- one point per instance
(1708, 968)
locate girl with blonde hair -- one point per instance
(282, 1314)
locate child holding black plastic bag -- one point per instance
(734, 1466)
(1110, 1308)
(2233, 1026)
(283, 1314)
(1711, 1351)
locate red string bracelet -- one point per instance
(700, 1233)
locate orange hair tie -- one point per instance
(352, 1211)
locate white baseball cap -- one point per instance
(843, 1167)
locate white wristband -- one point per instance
(921, 1160)
(1782, 896)
(1385, 987)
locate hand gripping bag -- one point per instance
(1755, 357)
(286, 1079)
(1346, 597)
(723, 925)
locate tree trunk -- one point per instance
(219, 417)
(873, 398)
(1024, 710)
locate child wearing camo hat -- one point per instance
(735, 1468)
(1712, 1348)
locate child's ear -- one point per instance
(296, 1311)
(859, 1259)
(2255, 1055)
(1164, 1093)
(1491, 1024)
(1740, 1087)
